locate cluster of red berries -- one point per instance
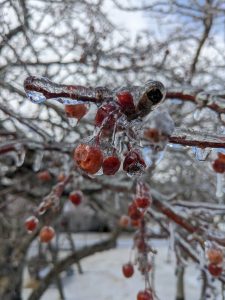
(219, 164)
(46, 234)
(113, 118)
(215, 258)
(136, 212)
(77, 111)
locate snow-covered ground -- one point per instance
(103, 280)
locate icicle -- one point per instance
(20, 155)
(73, 122)
(172, 237)
(117, 202)
(202, 154)
(38, 160)
(219, 186)
(197, 114)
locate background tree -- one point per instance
(79, 42)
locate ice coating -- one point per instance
(40, 89)
(146, 97)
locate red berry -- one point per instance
(124, 221)
(61, 177)
(128, 270)
(44, 175)
(221, 157)
(136, 223)
(31, 223)
(141, 245)
(215, 270)
(134, 212)
(144, 295)
(142, 202)
(76, 111)
(215, 255)
(111, 165)
(126, 102)
(76, 197)
(218, 166)
(133, 163)
(46, 234)
(152, 134)
(106, 115)
(88, 158)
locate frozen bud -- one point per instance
(154, 94)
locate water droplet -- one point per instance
(19, 155)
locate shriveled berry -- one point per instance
(77, 111)
(218, 166)
(133, 163)
(88, 158)
(124, 221)
(126, 102)
(215, 269)
(111, 165)
(44, 176)
(215, 255)
(128, 270)
(31, 223)
(144, 295)
(76, 197)
(46, 234)
(133, 212)
(142, 202)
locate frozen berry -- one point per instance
(133, 212)
(215, 270)
(128, 270)
(144, 295)
(88, 158)
(152, 134)
(77, 111)
(124, 221)
(111, 165)
(221, 157)
(126, 102)
(142, 202)
(44, 175)
(215, 255)
(136, 223)
(46, 234)
(218, 166)
(61, 177)
(133, 163)
(105, 116)
(76, 197)
(31, 223)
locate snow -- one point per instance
(103, 279)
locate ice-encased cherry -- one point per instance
(111, 165)
(88, 158)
